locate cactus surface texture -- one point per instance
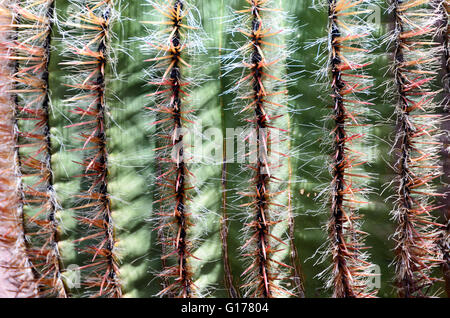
(224, 148)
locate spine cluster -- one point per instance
(31, 53)
(262, 99)
(16, 277)
(89, 40)
(417, 146)
(349, 83)
(443, 11)
(173, 47)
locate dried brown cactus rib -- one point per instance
(16, 277)
(91, 59)
(417, 147)
(443, 11)
(32, 53)
(350, 268)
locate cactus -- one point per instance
(348, 57)
(236, 148)
(416, 166)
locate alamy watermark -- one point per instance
(243, 145)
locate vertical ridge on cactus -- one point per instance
(173, 47)
(32, 53)
(260, 60)
(297, 277)
(88, 43)
(443, 10)
(232, 290)
(414, 67)
(16, 276)
(348, 58)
